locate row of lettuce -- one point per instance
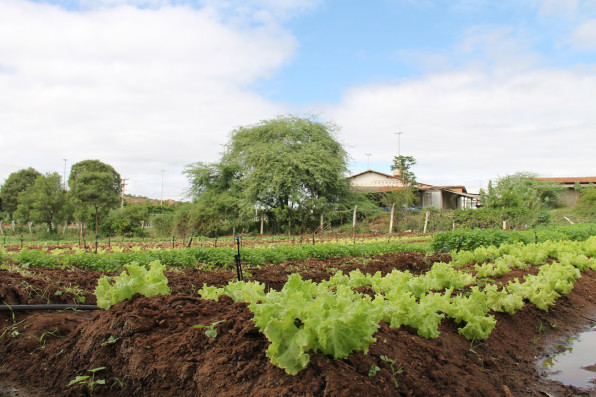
(332, 317)
(462, 239)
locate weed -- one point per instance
(111, 340)
(117, 382)
(210, 332)
(89, 381)
(394, 372)
(374, 369)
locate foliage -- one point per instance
(332, 318)
(95, 184)
(290, 168)
(138, 280)
(405, 196)
(586, 204)
(45, 201)
(210, 332)
(16, 183)
(469, 239)
(522, 198)
(127, 221)
(89, 381)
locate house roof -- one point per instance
(570, 179)
(374, 172)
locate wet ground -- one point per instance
(149, 347)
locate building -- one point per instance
(439, 197)
(572, 185)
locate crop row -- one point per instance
(190, 257)
(333, 318)
(469, 239)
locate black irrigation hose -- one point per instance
(16, 308)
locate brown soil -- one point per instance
(150, 348)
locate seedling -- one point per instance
(210, 332)
(89, 381)
(111, 340)
(394, 372)
(372, 372)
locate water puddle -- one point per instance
(574, 363)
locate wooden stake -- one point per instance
(391, 219)
(426, 221)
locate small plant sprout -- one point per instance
(111, 340)
(210, 332)
(89, 381)
(374, 369)
(394, 372)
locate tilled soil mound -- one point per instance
(149, 346)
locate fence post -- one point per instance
(391, 219)
(426, 221)
(354, 217)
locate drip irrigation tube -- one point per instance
(16, 308)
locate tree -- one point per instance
(16, 183)
(96, 185)
(523, 197)
(586, 204)
(128, 221)
(405, 196)
(45, 201)
(217, 191)
(292, 168)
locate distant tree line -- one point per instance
(283, 175)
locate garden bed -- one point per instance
(149, 346)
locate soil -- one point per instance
(149, 347)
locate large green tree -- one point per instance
(16, 183)
(522, 198)
(217, 190)
(290, 167)
(45, 201)
(95, 185)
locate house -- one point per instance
(572, 187)
(439, 197)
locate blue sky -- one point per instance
(481, 89)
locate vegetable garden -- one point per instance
(466, 313)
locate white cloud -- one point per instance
(141, 89)
(565, 8)
(584, 36)
(469, 125)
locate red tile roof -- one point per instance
(581, 179)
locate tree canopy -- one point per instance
(45, 201)
(523, 197)
(16, 183)
(405, 196)
(290, 167)
(95, 184)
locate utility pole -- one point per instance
(161, 201)
(64, 187)
(368, 160)
(398, 142)
(123, 185)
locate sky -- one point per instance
(479, 89)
